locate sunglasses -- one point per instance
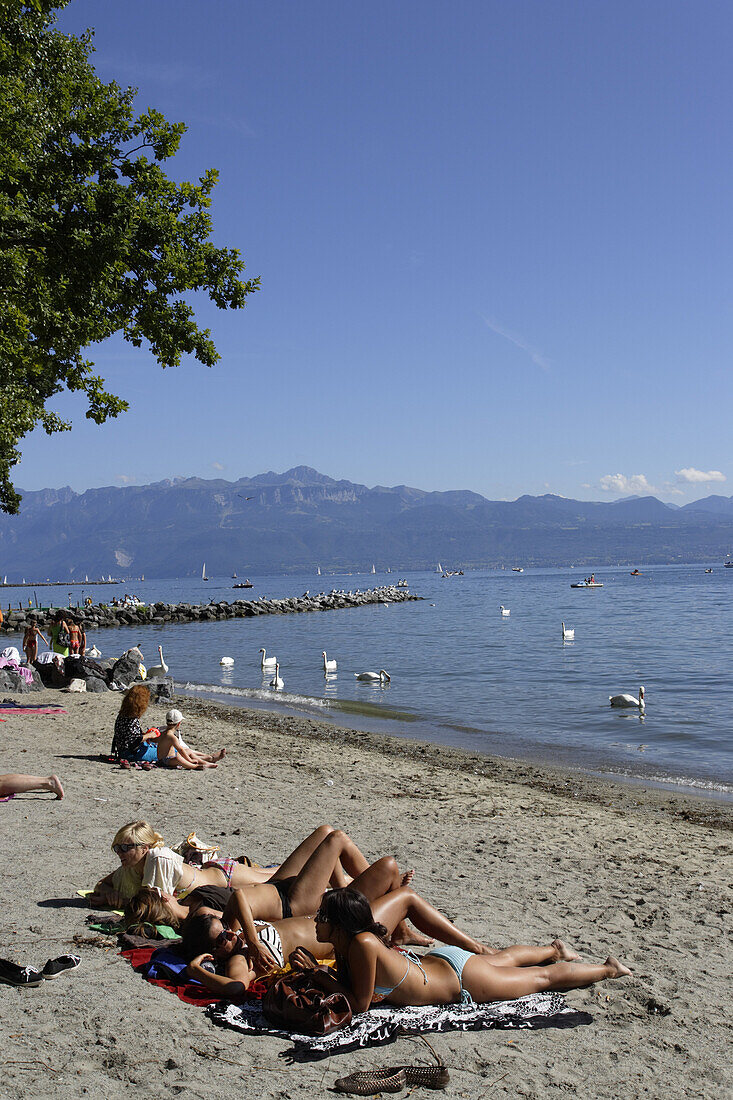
(221, 938)
(120, 849)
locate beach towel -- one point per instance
(9, 706)
(384, 1022)
(191, 992)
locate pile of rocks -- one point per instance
(84, 674)
(104, 615)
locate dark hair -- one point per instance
(198, 939)
(349, 910)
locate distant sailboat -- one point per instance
(203, 573)
(86, 579)
(373, 569)
(234, 576)
(318, 571)
(439, 568)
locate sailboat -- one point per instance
(439, 568)
(203, 573)
(318, 571)
(373, 569)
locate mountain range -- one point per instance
(301, 519)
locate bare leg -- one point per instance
(524, 955)
(14, 783)
(486, 982)
(311, 882)
(169, 747)
(404, 904)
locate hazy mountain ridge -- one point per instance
(301, 518)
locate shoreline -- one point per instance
(629, 794)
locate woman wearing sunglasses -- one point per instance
(372, 971)
(245, 949)
(326, 857)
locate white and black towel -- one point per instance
(384, 1022)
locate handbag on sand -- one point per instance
(309, 1001)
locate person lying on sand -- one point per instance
(370, 971)
(146, 861)
(326, 858)
(15, 783)
(227, 938)
(132, 744)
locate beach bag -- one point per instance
(196, 851)
(307, 1001)
(63, 638)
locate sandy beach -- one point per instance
(512, 852)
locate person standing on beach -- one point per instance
(30, 640)
(60, 635)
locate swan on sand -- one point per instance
(628, 700)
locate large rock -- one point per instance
(126, 669)
(160, 690)
(13, 681)
(96, 686)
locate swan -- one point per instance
(372, 676)
(268, 663)
(567, 635)
(504, 610)
(276, 682)
(226, 661)
(628, 700)
(158, 670)
(93, 652)
(329, 666)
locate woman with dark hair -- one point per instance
(371, 971)
(132, 743)
(59, 631)
(208, 936)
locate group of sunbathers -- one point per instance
(240, 922)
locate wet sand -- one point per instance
(513, 852)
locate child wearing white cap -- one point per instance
(173, 721)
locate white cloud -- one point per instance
(519, 342)
(636, 485)
(694, 477)
(216, 466)
(125, 479)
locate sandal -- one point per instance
(371, 1081)
(430, 1077)
(124, 763)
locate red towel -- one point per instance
(191, 992)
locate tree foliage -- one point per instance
(95, 239)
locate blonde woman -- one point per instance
(145, 860)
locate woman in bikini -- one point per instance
(30, 640)
(371, 971)
(230, 937)
(326, 857)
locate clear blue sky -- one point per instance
(494, 240)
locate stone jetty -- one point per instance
(99, 616)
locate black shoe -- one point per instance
(54, 967)
(22, 976)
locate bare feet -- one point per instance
(619, 970)
(218, 755)
(407, 878)
(564, 953)
(54, 785)
(482, 949)
(404, 936)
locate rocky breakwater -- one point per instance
(99, 616)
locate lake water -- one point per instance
(464, 675)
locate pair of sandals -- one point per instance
(145, 765)
(394, 1079)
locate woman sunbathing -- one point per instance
(230, 937)
(326, 857)
(131, 743)
(371, 971)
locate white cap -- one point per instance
(173, 717)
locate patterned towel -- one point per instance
(383, 1023)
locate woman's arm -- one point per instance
(362, 959)
(104, 892)
(232, 986)
(238, 914)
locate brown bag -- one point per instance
(307, 1001)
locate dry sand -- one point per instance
(513, 853)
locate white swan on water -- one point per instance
(628, 700)
(158, 670)
(329, 666)
(93, 652)
(567, 635)
(268, 663)
(504, 610)
(382, 676)
(276, 682)
(226, 661)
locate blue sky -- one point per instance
(494, 242)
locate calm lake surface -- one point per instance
(465, 676)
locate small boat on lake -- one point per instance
(587, 584)
(635, 573)
(517, 569)
(244, 584)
